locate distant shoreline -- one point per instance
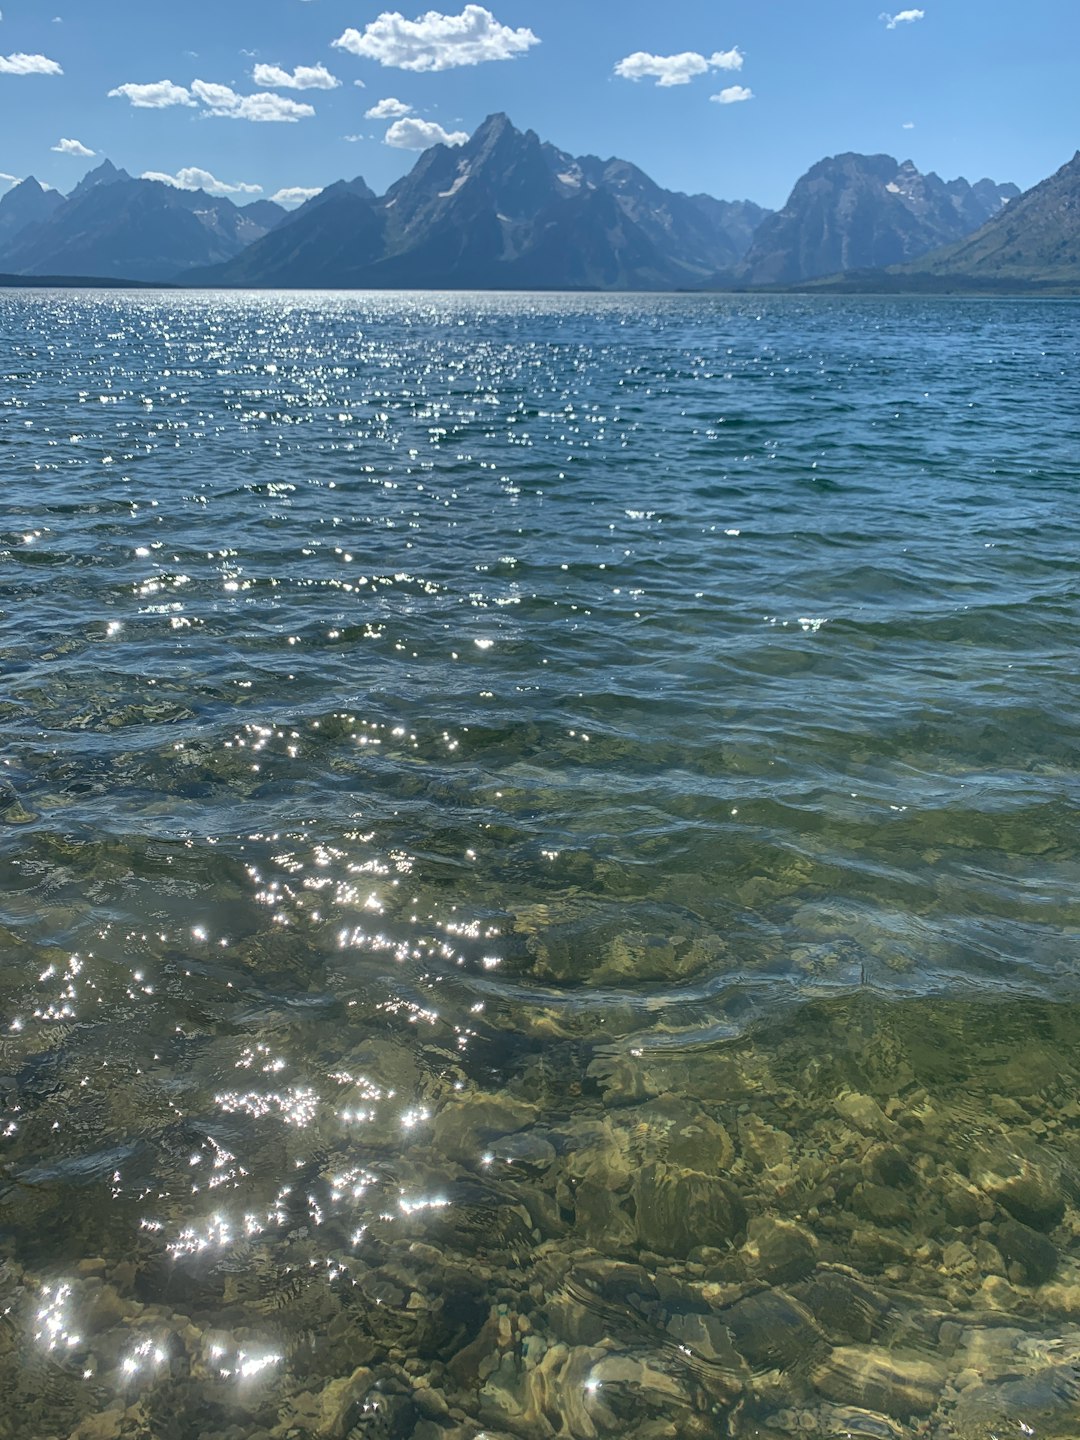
(79, 282)
(874, 283)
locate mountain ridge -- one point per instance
(507, 210)
(115, 226)
(1036, 239)
(852, 212)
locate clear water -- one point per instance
(538, 867)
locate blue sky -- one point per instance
(972, 87)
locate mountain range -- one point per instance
(114, 226)
(503, 211)
(508, 211)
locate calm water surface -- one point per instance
(538, 867)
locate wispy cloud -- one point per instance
(73, 147)
(157, 95)
(263, 107)
(20, 64)
(677, 69)
(219, 100)
(191, 177)
(902, 17)
(295, 194)
(435, 41)
(304, 77)
(413, 134)
(733, 95)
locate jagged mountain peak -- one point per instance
(104, 174)
(493, 127)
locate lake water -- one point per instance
(538, 867)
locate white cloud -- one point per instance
(304, 77)
(73, 147)
(19, 64)
(733, 95)
(295, 195)
(221, 100)
(416, 134)
(156, 96)
(902, 17)
(435, 41)
(191, 177)
(677, 69)
(388, 109)
(908, 125)
(8, 179)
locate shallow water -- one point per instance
(538, 867)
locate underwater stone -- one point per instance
(846, 1308)
(464, 1129)
(1025, 1183)
(773, 1331)
(864, 1112)
(958, 1258)
(855, 1424)
(1032, 1251)
(882, 1204)
(763, 1145)
(671, 1129)
(779, 1250)
(880, 1380)
(678, 1210)
(106, 1426)
(338, 1402)
(706, 1336)
(529, 1151)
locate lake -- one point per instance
(538, 867)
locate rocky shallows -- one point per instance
(873, 1237)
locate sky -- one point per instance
(737, 98)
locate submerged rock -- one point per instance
(846, 1308)
(679, 1210)
(676, 1131)
(864, 1112)
(1024, 1181)
(778, 1250)
(881, 1380)
(465, 1129)
(773, 1331)
(1032, 1253)
(765, 1147)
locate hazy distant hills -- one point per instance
(508, 211)
(114, 226)
(856, 212)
